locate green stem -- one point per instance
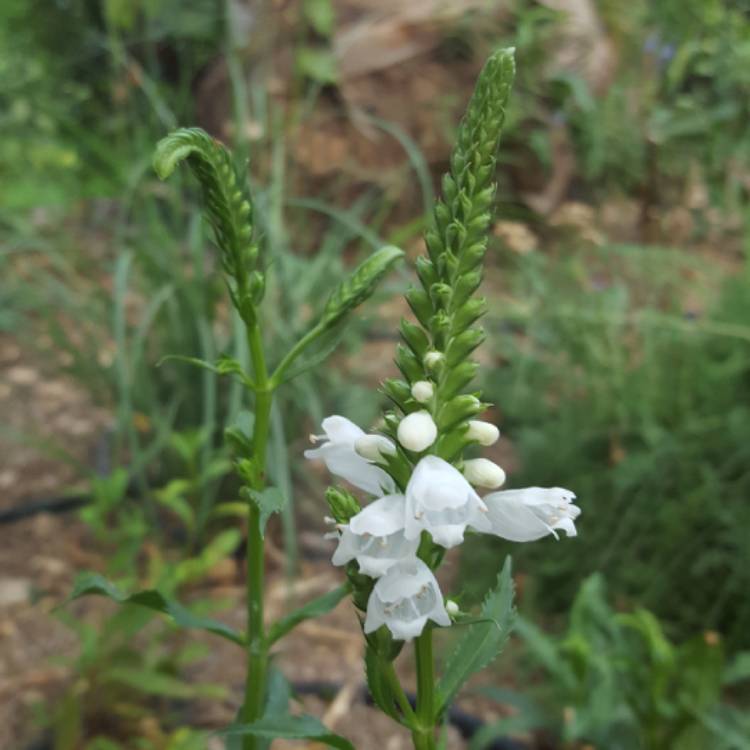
(294, 352)
(257, 650)
(423, 734)
(398, 692)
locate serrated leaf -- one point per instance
(291, 728)
(360, 285)
(315, 608)
(268, 501)
(94, 584)
(482, 641)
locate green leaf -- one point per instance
(738, 669)
(217, 549)
(290, 728)
(318, 64)
(320, 15)
(270, 500)
(224, 365)
(481, 642)
(315, 608)
(93, 584)
(157, 683)
(360, 285)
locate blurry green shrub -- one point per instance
(616, 385)
(616, 681)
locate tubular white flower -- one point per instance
(375, 537)
(417, 431)
(341, 458)
(423, 391)
(484, 433)
(374, 447)
(532, 513)
(482, 472)
(441, 501)
(404, 599)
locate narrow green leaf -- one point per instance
(315, 608)
(482, 641)
(290, 728)
(224, 365)
(270, 500)
(93, 584)
(360, 285)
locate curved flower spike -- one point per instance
(441, 501)
(375, 537)
(404, 599)
(342, 459)
(532, 513)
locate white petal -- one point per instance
(382, 517)
(532, 513)
(374, 447)
(341, 430)
(346, 550)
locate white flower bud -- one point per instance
(483, 433)
(432, 359)
(374, 448)
(451, 607)
(482, 472)
(417, 431)
(422, 391)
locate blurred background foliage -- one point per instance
(619, 347)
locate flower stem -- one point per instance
(423, 735)
(257, 652)
(398, 692)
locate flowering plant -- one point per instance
(415, 467)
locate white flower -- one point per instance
(422, 391)
(375, 537)
(374, 447)
(532, 513)
(441, 501)
(342, 459)
(404, 599)
(417, 431)
(482, 472)
(484, 433)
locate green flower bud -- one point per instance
(343, 504)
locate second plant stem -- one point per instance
(257, 653)
(423, 734)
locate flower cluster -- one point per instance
(384, 537)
